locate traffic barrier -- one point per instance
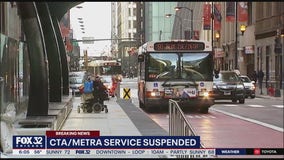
(271, 91)
(178, 124)
(126, 93)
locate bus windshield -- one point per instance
(110, 70)
(183, 66)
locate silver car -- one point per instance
(249, 86)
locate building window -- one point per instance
(134, 11)
(267, 50)
(129, 24)
(129, 11)
(259, 58)
(267, 65)
(268, 9)
(259, 11)
(134, 24)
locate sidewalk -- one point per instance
(266, 95)
(113, 123)
(119, 121)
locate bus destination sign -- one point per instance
(167, 46)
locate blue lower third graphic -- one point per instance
(125, 142)
(230, 151)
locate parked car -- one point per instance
(77, 74)
(227, 85)
(75, 83)
(249, 86)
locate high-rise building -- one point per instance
(124, 26)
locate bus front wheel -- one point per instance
(148, 108)
(204, 109)
(141, 105)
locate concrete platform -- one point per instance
(57, 114)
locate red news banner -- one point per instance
(71, 133)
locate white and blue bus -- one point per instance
(181, 70)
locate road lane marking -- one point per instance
(231, 105)
(212, 116)
(250, 120)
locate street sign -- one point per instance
(240, 48)
(88, 40)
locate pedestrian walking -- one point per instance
(254, 76)
(260, 76)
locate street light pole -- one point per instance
(191, 24)
(169, 15)
(191, 12)
(236, 55)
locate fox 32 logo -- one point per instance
(20, 142)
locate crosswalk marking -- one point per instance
(196, 116)
(278, 106)
(231, 105)
(256, 105)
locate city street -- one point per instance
(257, 123)
(266, 111)
(206, 70)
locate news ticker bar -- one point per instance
(90, 142)
(200, 152)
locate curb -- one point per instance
(269, 97)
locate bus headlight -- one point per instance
(205, 94)
(154, 94)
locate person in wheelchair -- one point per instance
(93, 96)
(87, 96)
(100, 90)
(88, 89)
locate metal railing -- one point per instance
(178, 124)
